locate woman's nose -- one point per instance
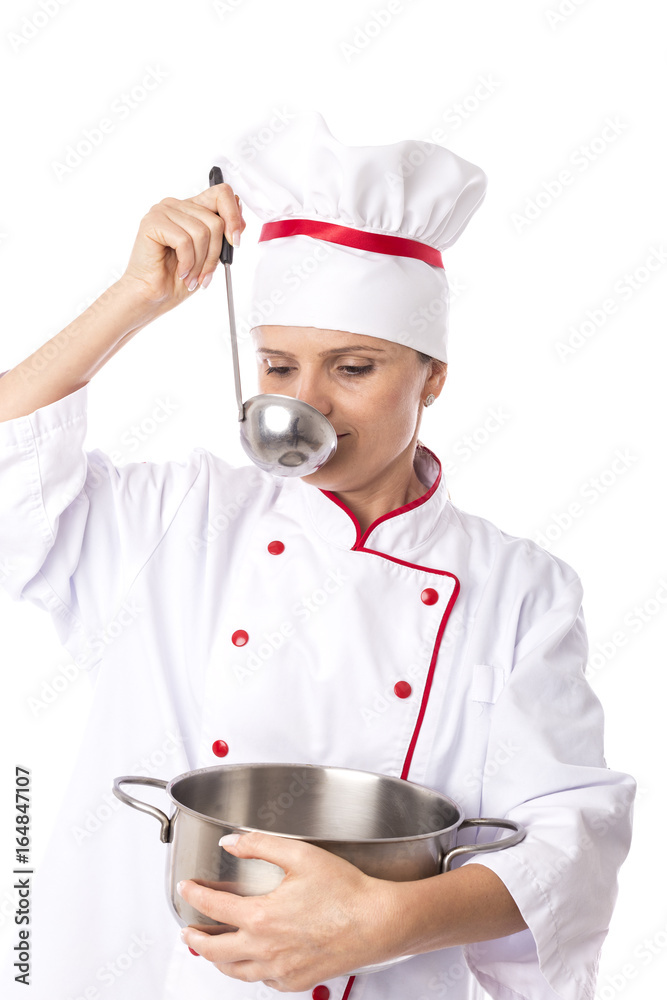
(311, 388)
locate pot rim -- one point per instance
(314, 840)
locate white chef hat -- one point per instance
(352, 235)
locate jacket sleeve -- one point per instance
(74, 529)
(555, 782)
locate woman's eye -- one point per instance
(356, 369)
(349, 370)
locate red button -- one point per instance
(430, 596)
(193, 952)
(275, 548)
(321, 993)
(240, 637)
(402, 689)
(220, 748)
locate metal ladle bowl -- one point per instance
(280, 434)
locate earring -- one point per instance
(429, 399)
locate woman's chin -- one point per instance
(336, 474)
(324, 479)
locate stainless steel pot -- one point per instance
(389, 828)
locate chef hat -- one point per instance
(352, 235)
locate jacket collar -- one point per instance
(399, 530)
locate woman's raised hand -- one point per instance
(179, 243)
(175, 238)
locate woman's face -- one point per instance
(371, 390)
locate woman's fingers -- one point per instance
(206, 230)
(221, 200)
(151, 261)
(219, 209)
(179, 244)
(226, 907)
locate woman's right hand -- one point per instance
(178, 246)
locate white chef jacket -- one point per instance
(148, 570)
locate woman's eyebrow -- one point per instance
(350, 349)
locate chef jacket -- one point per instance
(223, 610)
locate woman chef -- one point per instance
(354, 617)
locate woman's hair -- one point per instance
(426, 359)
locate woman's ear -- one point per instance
(435, 381)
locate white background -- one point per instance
(518, 88)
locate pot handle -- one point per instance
(165, 822)
(495, 845)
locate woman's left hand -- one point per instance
(325, 918)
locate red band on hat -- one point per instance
(397, 246)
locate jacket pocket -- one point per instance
(487, 683)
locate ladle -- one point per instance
(281, 434)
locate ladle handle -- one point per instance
(227, 252)
(227, 256)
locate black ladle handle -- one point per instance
(227, 252)
(226, 256)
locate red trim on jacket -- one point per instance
(348, 988)
(360, 547)
(392, 513)
(436, 647)
(429, 677)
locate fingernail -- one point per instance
(236, 237)
(185, 273)
(229, 840)
(207, 280)
(179, 887)
(192, 285)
